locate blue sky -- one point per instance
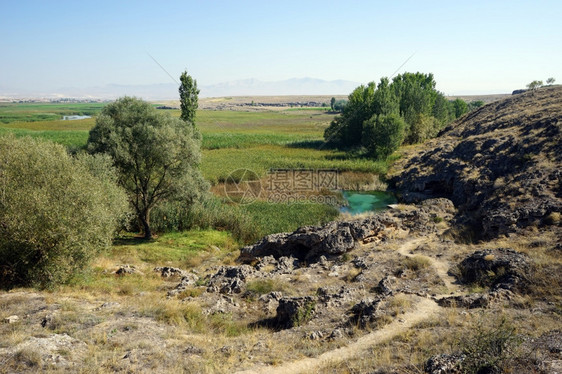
(471, 46)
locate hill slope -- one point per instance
(501, 165)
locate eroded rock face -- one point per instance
(501, 268)
(501, 165)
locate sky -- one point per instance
(471, 47)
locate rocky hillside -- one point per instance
(501, 165)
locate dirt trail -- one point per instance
(441, 267)
(424, 309)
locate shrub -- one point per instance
(490, 350)
(416, 263)
(56, 211)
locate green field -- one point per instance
(33, 112)
(258, 141)
(232, 140)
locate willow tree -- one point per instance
(157, 156)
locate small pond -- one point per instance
(366, 201)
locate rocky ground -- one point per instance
(408, 290)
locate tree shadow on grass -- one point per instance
(311, 144)
(132, 240)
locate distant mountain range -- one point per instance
(169, 91)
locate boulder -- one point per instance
(366, 312)
(295, 311)
(128, 269)
(169, 272)
(230, 279)
(500, 268)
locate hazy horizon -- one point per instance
(472, 48)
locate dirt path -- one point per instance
(441, 267)
(424, 309)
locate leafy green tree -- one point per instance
(417, 94)
(157, 156)
(411, 96)
(550, 81)
(385, 100)
(441, 110)
(188, 98)
(56, 212)
(346, 129)
(459, 107)
(383, 134)
(534, 85)
(339, 105)
(475, 105)
(423, 128)
(332, 103)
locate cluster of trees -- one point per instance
(382, 117)
(57, 210)
(537, 84)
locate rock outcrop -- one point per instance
(501, 165)
(311, 243)
(501, 268)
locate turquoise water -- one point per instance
(361, 202)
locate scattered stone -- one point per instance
(387, 285)
(128, 269)
(11, 319)
(476, 300)
(286, 265)
(193, 350)
(310, 243)
(49, 321)
(106, 305)
(270, 301)
(230, 279)
(188, 280)
(169, 272)
(223, 305)
(315, 335)
(265, 262)
(336, 334)
(333, 297)
(359, 263)
(444, 364)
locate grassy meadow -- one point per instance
(232, 140)
(254, 140)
